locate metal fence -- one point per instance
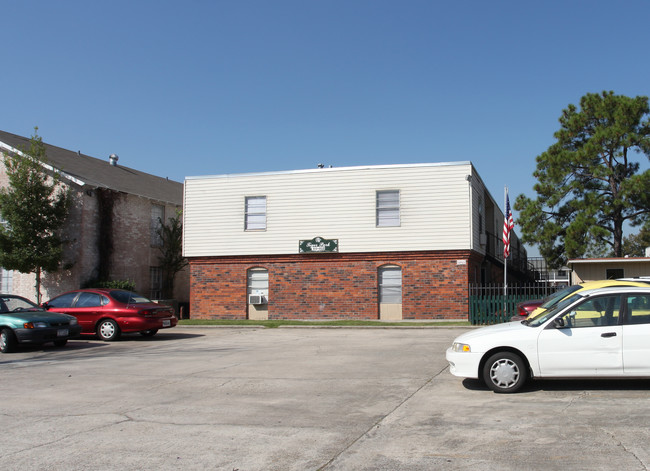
(489, 305)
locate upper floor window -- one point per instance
(255, 217)
(157, 216)
(388, 208)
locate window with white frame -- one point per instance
(390, 284)
(258, 282)
(6, 280)
(255, 217)
(157, 216)
(388, 208)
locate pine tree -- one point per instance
(588, 183)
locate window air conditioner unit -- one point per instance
(256, 299)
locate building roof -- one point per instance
(324, 170)
(85, 170)
(577, 261)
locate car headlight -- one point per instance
(460, 347)
(35, 325)
(73, 321)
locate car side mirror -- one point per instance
(558, 323)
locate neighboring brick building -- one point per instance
(387, 242)
(117, 202)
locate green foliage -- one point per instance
(128, 285)
(171, 259)
(35, 208)
(635, 244)
(588, 186)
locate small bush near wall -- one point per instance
(128, 285)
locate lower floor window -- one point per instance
(258, 285)
(155, 274)
(6, 283)
(390, 284)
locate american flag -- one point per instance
(508, 225)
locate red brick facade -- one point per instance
(334, 286)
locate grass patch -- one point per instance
(340, 323)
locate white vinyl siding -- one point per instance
(255, 218)
(388, 208)
(333, 204)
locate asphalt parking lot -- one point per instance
(301, 399)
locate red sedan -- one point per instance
(108, 313)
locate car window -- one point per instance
(554, 298)
(638, 309)
(65, 300)
(542, 317)
(599, 311)
(127, 297)
(11, 303)
(88, 300)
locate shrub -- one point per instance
(128, 285)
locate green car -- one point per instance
(23, 322)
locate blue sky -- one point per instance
(212, 87)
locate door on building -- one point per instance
(390, 292)
(257, 294)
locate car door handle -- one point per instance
(608, 334)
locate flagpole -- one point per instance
(505, 258)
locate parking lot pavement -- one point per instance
(301, 399)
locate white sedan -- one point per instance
(600, 333)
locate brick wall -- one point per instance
(333, 286)
(132, 256)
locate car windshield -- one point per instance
(16, 304)
(128, 297)
(546, 315)
(553, 299)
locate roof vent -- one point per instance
(112, 159)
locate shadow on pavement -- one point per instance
(570, 385)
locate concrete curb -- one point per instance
(433, 326)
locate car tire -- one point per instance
(8, 341)
(60, 343)
(148, 333)
(505, 372)
(108, 330)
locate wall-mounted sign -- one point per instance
(318, 244)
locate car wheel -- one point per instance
(8, 341)
(60, 343)
(108, 330)
(148, 333)
(505, 372)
